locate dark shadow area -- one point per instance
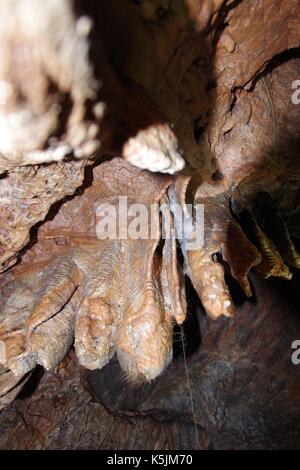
(237, 294)
(128, 107)
(32, 383)
(65, 102)
(114, 42)
(289, 293)
(189, 334)
(276, 61)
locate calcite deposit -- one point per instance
(171, 105)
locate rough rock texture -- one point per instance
(205, 54)
(245, 390)
(211, 81)
(56, 105)
(227, 112)
(119, 294)
(26, 196)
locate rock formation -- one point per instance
(172, 105)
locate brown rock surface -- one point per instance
(244, 386)
(151, 81)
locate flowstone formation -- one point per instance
(183, 105)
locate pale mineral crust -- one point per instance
(46, 80)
